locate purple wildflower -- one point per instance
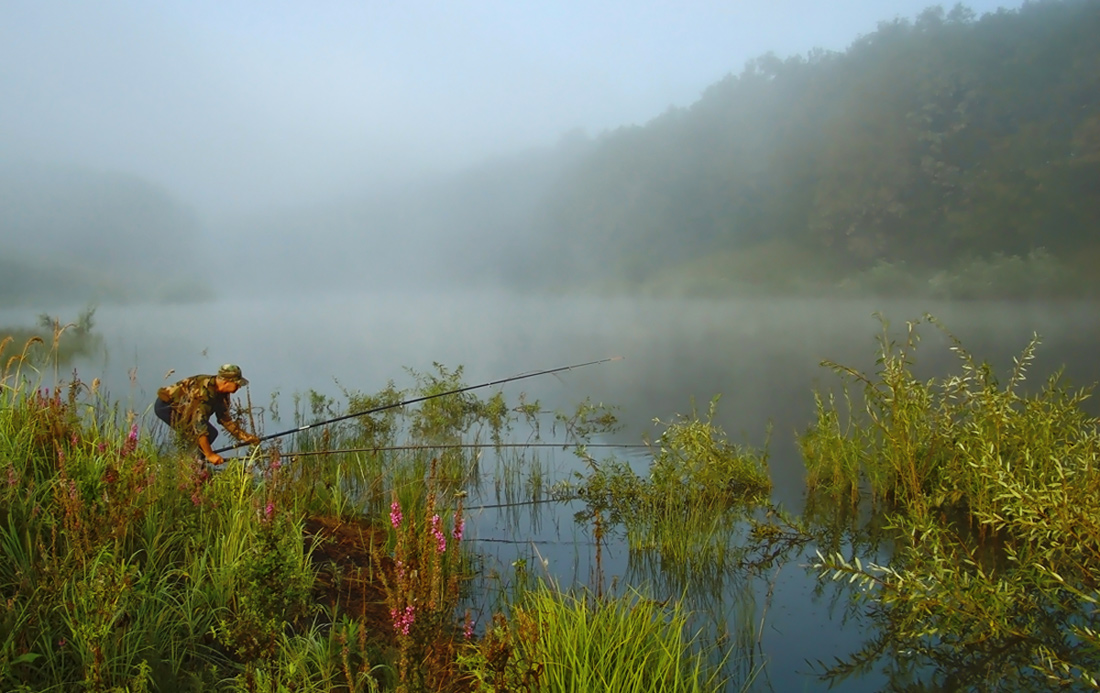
(437, 532)
(395, 514)
(269, 511)
(131, 441)
(403, 620)
(460, 526)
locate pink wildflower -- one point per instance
(395, 514)
(437, 532)
(269, 511)
(460, 526)
(403, 620)
(131, 441)
(468, 628)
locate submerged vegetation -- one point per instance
(958, 514)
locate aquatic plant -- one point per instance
(994, 500)
(698, 490)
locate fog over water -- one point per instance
(762, 356)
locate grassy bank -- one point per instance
(127, 566)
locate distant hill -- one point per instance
(75, 234)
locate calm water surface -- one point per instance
(761, 356)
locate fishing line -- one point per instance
(453, 446)
(423, 398)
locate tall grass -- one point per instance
(562, 642)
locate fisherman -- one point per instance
(187, 405)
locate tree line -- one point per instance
(942, 139)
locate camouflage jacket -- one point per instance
(193, 400)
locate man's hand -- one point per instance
(215, 459)
(250, 439)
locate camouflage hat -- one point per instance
(232, 373)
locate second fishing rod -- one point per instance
(423, 398)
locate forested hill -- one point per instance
(931, 149)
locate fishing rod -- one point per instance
(419, 399)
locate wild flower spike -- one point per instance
(402, 621)
(395, 514)
(437, 532)
(468, 627)
(458, 529)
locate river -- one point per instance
(762, 356)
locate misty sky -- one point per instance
(240, 104)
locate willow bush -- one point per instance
(993, 499)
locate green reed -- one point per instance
(564, 642)
(994, 500)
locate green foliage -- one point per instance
(687, 509)
(695, 460)
(561, 642)
(272, 592)
(128, 566)
(994, 493)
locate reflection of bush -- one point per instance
(784, 269)
(1037, 275)
(52, 340)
